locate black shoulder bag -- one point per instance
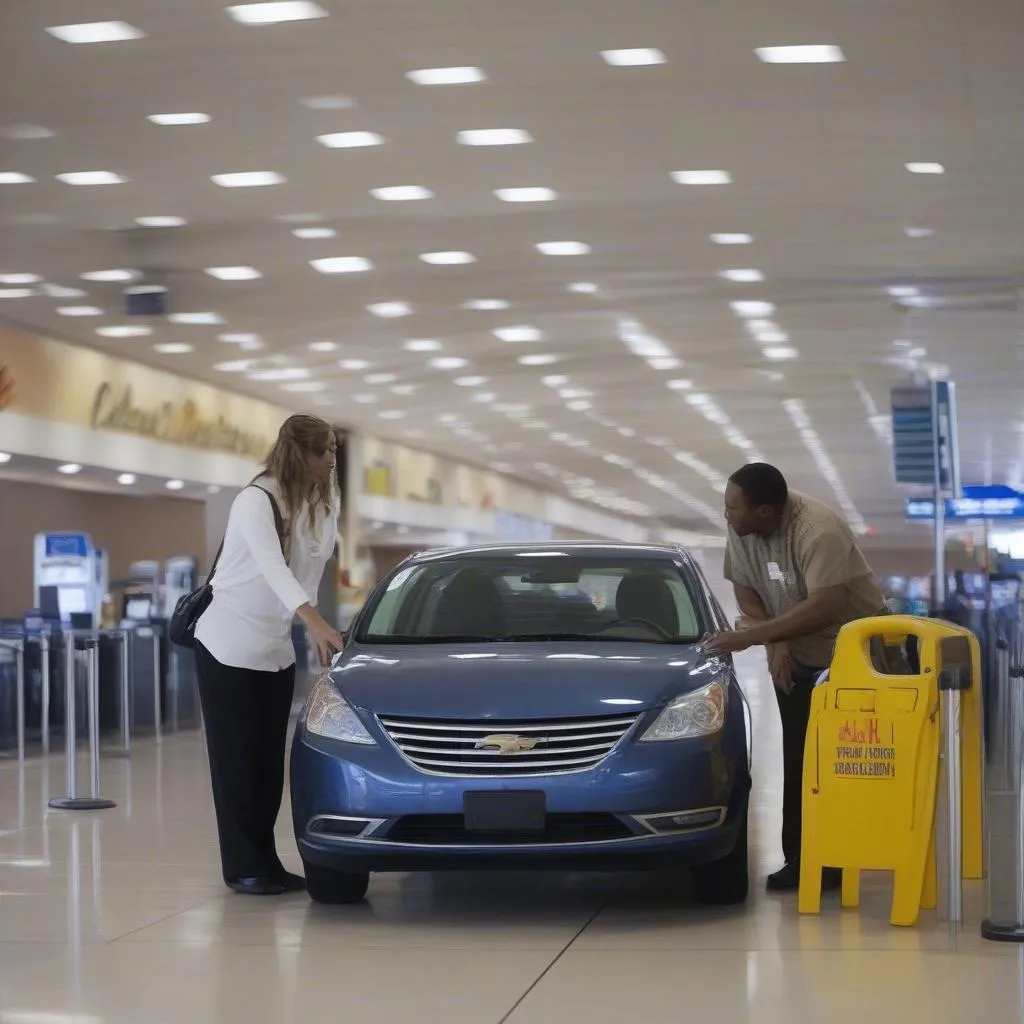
(187, 612)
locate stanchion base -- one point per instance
(1002, 931)
(81, 803)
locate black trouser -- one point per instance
(795, 711)
(246, 716)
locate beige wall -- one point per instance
(129, 528)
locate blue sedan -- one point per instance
(527, 707)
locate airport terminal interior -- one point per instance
(550, 273)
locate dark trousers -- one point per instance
(795, 711)
(246, 716)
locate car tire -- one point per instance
(725, 882)
(335, 888)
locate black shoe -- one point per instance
(291, 883)
(257, 886)
(786, 879)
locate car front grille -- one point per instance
(450, 830)
(446, 747)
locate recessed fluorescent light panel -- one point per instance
(248, 179)
(175, 485)
(160, 222)
(275, 13)
(19, 279)
(126, 479)
(79, 311)
(583, 288)
(69, 469)
(314, 234)
(96, 32)
(342, 265)
(702, 177)
(196, 319)
(390, 310)
(449, 363)
(234, 273)
(526, 195)
(174, 348)
(329, 102)
(177, 120)
(447, 259)
(734, 238)
(563, 248)
(519, 334)
(15, 178)
(641, 57)
(750, 276)
(323, 346)
(25, 132)
(486, 305)
(108, 276)
(800, 54)
(16, 293)
(422, 345)
(91, 178)
(350, 140)
(124, 331)
(494, 137)
(926, 168)
(447, 76)
(401, 193)
(753, 308)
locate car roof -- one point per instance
(599, 549)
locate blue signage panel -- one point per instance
(993, 502)
(947, 446)
(67, 545)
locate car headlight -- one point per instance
(699, 713)
(330, 715)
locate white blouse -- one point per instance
(255, 592)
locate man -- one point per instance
(799, 577)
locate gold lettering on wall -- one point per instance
(176, 424)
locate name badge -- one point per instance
(777, 574)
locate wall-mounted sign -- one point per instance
(980, 502)
(925, 443)
(115, 408)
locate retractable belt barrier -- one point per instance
(871, 767)
(12, 666)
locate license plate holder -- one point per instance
(518, 811)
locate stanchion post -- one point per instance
(19, 697)
(44, 670)
(126, 694)
(74, 802)
(1013, 931)
(157, 710)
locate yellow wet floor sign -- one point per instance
(871, 766)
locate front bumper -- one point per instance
(605, 818)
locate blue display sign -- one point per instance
(980, 502)
(67, 545)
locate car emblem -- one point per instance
(505, 743)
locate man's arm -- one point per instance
(750, 604)
(818, 611)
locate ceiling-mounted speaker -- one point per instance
(145, 300)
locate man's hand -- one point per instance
(781, 667)
(732, 641)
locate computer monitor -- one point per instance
(138, 608)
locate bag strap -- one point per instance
(278, 525)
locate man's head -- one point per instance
(755, 499)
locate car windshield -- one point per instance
(531, 597)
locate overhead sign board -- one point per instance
(992, 502)
(925, 444)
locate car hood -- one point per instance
(519, 680)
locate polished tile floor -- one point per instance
(119, 917)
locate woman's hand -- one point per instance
(326, 640)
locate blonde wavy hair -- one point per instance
(299, 437)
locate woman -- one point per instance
(245, 661)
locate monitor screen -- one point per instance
(138, 609)
(73, 601)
